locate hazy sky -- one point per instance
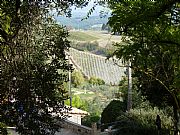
(79, 12)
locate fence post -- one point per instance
(94, 129)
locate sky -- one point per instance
(79, 13)
(82, 12)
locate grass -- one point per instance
(87, 96)
(103, 38)
(84, 94)
(81, 36)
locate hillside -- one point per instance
(102, 37)
(95, 65)
(81, 36)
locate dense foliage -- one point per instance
(92, 47)
(77, 78)
(90, 119)
(33, 65)
(114, 109)
(3, 130)
(96, 81)
(139, 120)
(142, 121)
(33, 79)
(150, 31)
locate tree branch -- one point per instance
(158, 80)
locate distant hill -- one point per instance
(78, 23)
(95, 65)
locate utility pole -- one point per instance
(70, 94)
(129, 75)
(129, 102)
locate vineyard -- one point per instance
(98, 66)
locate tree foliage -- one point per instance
(77, 79)
(33, 65)
(114, 109)
(96, 81)
(150, 31)
(90, 119)
(31, 81)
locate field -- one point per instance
(102, 37)
(102, 96)
(81, 36)
(84, 94)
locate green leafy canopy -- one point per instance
(150, 40)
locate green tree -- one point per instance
(96, 81)
(33, 81)
(150, 42)
(113, 110)
(89, 119)
(103, 26)
(77, 78)
(33, 65)
(3, 129)
(78, 103)
(138, 100)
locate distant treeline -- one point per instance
(92, 47)
(78, 23)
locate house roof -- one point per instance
(77, 111)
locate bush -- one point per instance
(77, 79)
(89, 119)
(96, 81)
(86, 46)
(3, 130)
(92, 47)
(114, 109)
(142, 122)
(78, 103)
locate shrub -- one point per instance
(89, 119)
(114, 109)
(96, 81)
(78, 103)
(3, 130)
(77, 78)
(142, 122)
(85, 46)
(92, 47)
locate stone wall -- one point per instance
(80, 129)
